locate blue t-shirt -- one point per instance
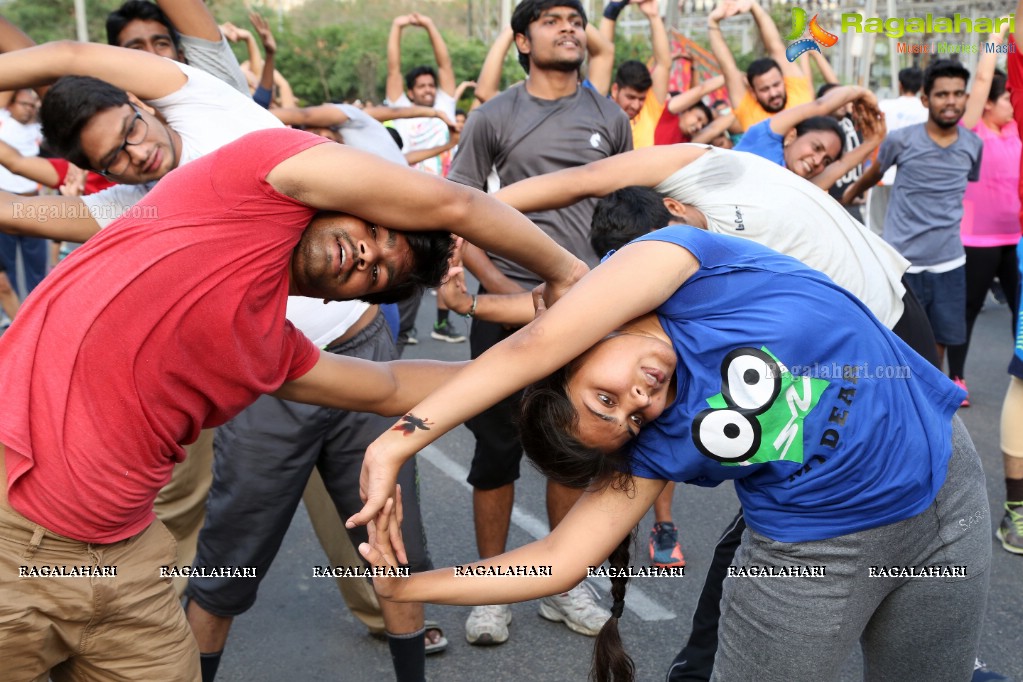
(829, 423)
(763, 141)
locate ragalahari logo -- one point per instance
(818, 36)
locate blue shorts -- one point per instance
(943, 297)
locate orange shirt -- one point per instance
(749, 112)
(645, 123)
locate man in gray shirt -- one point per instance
(936, 159)
(546, 124)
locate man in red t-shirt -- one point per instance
(184, 327)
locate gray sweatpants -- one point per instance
(922, 628)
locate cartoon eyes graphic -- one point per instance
(750, 383)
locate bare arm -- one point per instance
(191, 18)
(661, 49)
(870, 121)
(735, 81)
(387, 388)
(711, 132)
(266, 36)
(645, 167)
(564, 332)
(415, 156)
(138, 72)
(514, 310)
(462, 87)
(773, 42)
(395, 81)
(322, 116)
(445, 71)
(601, 59)
(488, 83)
(12, 38)
(59, 218)
(824, 66)
(833, 99)
(982, 81)
(414, 111)
(493, 280)
(685, 100)
(587, 535)
(32, 167)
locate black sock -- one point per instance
(442, 317)
(1014, 490)
(209, 663)
(408, 654)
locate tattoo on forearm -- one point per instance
(410, 422)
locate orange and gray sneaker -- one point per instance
(664, 548)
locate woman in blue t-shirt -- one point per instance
(700, 358)
(809, 142)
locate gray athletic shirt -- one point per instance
(926, 203)
(523, 136)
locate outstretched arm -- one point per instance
(735, 80)
(661, 48)
(982, 80)
(12, 38)
(645, 167)
(488, 83)
(143, 74)
(264, 94)
(710, 132)
(601, 59)
(445, 71)
(824, 66)
(59, 218)
(685, 100)
(418, 155)
(191, 18)
(395, 81)
(870, 177)
(387, 388)
(773, 42)
(561, 334)
(32, 167)
(870, 121)
(586, 536)
(833, 99)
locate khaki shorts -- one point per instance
(118, 621)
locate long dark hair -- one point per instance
(547, 419)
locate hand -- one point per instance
(230, 32)
(378, 484)
(550, 292)
(380, 550)
(266, 36)
(74, 182)
(452, 126)
(454, 293)
(848, 196)
(648, 7)
(421, 20)
(402, 20)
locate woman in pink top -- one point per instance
(990, 227)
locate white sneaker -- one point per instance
(577, 608)
(488, 624)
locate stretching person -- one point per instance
(990, 228)
(809, 142)
(685, 375)
(185, 326)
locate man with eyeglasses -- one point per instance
(23, 260)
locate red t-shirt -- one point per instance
(153, 330)
(667, 130)
(1014, 66)
(94, 182)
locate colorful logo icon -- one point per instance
(818, 36)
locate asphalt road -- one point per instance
(300, 629)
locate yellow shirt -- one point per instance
(645, 123)
(749, 112)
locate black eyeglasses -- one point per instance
(137, 131)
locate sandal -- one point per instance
(440, 643)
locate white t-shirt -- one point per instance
(363, 132)
(425, 133)
(744, 195)
(324, 323)
(207, 114)
(25, 138)
(904, 110)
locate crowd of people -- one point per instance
(175, 386)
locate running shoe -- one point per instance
(409, 338)
(1010, 532)
(981, 673)
(961, 383)
(577, 608)
(444, 332)
(664, 547)
(488, 625)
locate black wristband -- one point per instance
(614, 8)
